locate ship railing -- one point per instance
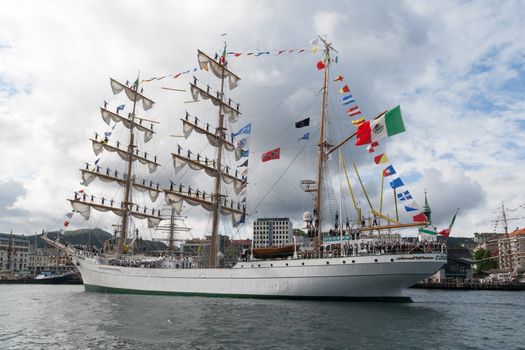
(376, 249)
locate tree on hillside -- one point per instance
(485, 264)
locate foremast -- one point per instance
(83, 203)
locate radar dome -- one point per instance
(307, 216)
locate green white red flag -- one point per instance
(389, 124)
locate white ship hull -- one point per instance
(373, 277)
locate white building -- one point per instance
(512, 251)
(272, 232)
(14, 253)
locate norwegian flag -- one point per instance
(273, 154)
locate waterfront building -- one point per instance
(272, 232)
(512, 251)
(14, 251)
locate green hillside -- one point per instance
(90, 237)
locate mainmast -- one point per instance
(322, 145)
(127, 192)
(216, 202)
(217, 205)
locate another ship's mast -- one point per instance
(322, 145)
(127, 193)
(218, 180)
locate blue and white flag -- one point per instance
(411, 207)
(348, 97)
(396, 183)
(305, 136)
(96, 161)
(244, 130)
(120, 108)
(345, 103)
(245, 153)
(107, 133)
(404, 196)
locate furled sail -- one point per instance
(108, 116)
(84, 207)
(133, 95)
(206, 62)
(89, 175)
(188, 127)
(177, 198)
(100, 146)
(232, 113)
(180, 161)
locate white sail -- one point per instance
(133, 95)
(108, 116)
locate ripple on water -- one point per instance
(65, 317)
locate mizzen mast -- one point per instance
(323, 146)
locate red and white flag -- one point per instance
(273, 154)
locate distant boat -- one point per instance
(274, 252)
(48, 277)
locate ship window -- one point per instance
(353, 261)
(302, 263)
(259, 265)
(271, 265)
(392, 260)
(375, 260)
(328, 262)
(242, 265)
(286, 264)
(344, 262)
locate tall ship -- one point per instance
(343, 264)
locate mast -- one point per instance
(322, 145)
(83, 203)
(217, 205)
(127, 192)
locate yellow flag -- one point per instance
(315, 49)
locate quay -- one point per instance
(472, 285)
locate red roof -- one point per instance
(518, 232)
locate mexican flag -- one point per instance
(428, 230)
(389, 124)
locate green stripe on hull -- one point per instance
(100, 289)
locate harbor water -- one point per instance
(66, 317)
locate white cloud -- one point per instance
(455, 67)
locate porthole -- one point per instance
(271, 265)
(353, 261)
(252, 265)
(392, 260)
(242, 265)
(375, 260)
(328, 262)
(286, 264)
(259, 265)
(344, 262)
(302, 263)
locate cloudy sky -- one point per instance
(456, 69)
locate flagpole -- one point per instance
(381, 195)
(363, 187)
(395, 202)
(322, 145)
